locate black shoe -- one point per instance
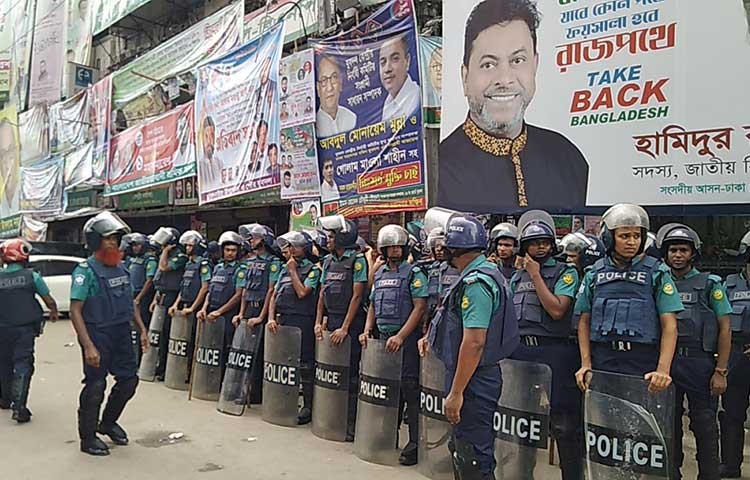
(305, 416)
(159, 378)
(408, 455)
(725, 472)
(94, 446)
(349, 437)
(114, 432)
(4, 404)
(22, 415)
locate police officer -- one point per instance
(703, 329)
(213, 253)
(544, 291)
(623, 279)
(294, 304)
(484, 330)
(145, 297)
(504, 243)
(736, 398)
(398, 302)
(339, 310)
(20, 323)
(225, 289)
(441, 275)
(134, 247)
(101, 309)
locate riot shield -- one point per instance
(521, 422)
(434, 430)
(208, 358)
(331, 391)
(235, 390)
(147, 371)
(178, 368)
(627, 430)
(281, 375)
(378, 404)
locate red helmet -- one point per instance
(15, 250)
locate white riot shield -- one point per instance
(178, 367)
(235, 390)
(331, 392)
(147, 371)
(434, 430)
(208, 358)
(281, 375)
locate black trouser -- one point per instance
(409, 383)
(735, 402)
(252, 310)
(17, 362)
(355, 329)
(166, 299)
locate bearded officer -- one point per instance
(474, 329)
(225, 289)
(101, 309)
(339, 310)
(735, 400)
(703, 329)
(504, 244)
(544, 291)
(398, 302)
(293, 305)
(625, 278)
(20, 323)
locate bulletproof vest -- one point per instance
(506, 271)
(18, 299)
(191, 281)
(137, 269)
(339, 285)
(392, 295)
(257, 279)
(433, 287)
(623, 306)
(113, 303)
(287, 302)
(738, 291)
(446, 332)
(696, 324)
(533, 319)
(221, 286)
(168, 281)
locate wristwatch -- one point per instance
(721, 371)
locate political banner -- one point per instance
(431, 61)
(369, 124)
(78, 168)
(33, 131)
(10, 227)
(33, 230)
(611, 109)
(297, 20)
(78, 33)
(208, 39)
(22, 25)
(303, 214)
(100, 117)
(10, 162)
(159, 151)
(42, 188)
(109, 12)
(297, 89)
(6, 52)
(237, 119)
(186, 191)
(300, 176)
(69, 124)
(48, 52)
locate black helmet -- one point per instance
(536, 225)
(673, 233)
(103, 225)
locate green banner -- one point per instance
(157, 197)
(109, 12)
(10, 226)
(81, 199)
(269, 196)
(296, 23)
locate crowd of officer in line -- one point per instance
(612, 303)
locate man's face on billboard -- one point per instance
(394, 65)
(500, 80)
(208, 141)
(328, 172)
(329, 85)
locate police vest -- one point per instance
(696, 324)
(446, 332)
(533, 319)
(433, 287)
(137, 269)
(191, 281)
(448, 276)
(257, 279)
(392, 295)
(287, 302)
(168, 281)
(624, 307)
(221, 287)
(113, 302)
(738, 290)
(338, 288)
(506, 271)
(18, 299)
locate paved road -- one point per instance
(213, 446)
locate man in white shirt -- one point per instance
(403, 92)
(329, 191)
(332, 118)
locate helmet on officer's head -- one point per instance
(361, 244)
(191, 237)
(230, 238)
(292, 240)
(15, 250)
(536, 225)
(392, 236)
(435, 237)
(319, 239)
(745, 246)
(573, 243)
(465, 232)
(623, 215)
(257, 230)
(103, 225)
(593, 251)
(344, 230)
(213, 248)
(677, 233)
(167, 236)
(503, 230)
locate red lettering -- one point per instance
(581, 101)
(654, 90)
(625, 96)
(604, 100)
(630, 87)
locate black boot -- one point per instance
(732, 445)
(409, 455)
(305, 413)
(121, 393)
(90, 401)
(351, 412)
(20, 393)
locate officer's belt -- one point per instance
(539, 341)
(254, 304)
(627, 346)
(692, 351)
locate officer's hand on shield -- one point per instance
(151, 307)
(54, 316)
(91, 355)
(453, 404)
(423, 345)
(236, 320)
(187, 311)
(394, 344)
(318, 331)
(583, 377)
(172, 311)
(254, 322)
(201, 316)
(339, 335)
(363, 337)
(145, 344)
(273, 326)
(658, 381)
(212, 317)
(718, 384)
